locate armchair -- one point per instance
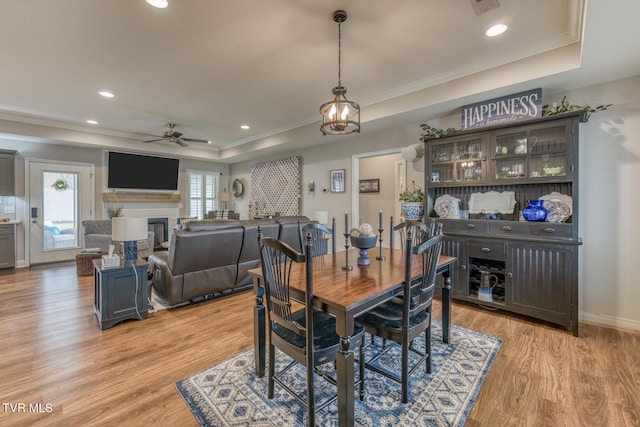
(97, 234)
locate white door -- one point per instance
(60, 197)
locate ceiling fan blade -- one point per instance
(181, 143)
(176, 135)
(196, 140)
(153, 140)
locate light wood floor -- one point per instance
(53, 352)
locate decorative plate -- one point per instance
(559, 206)
(492, 202)
(447, 207)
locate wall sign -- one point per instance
(510, 108)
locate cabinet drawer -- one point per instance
(6, 229)
(464, 226)
(550, 229)
(487, 249)
(508, 228)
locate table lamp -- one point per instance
(223, 196)
(129, 231)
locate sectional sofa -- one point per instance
(214, 256)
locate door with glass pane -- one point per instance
(59, 199)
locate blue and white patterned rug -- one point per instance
(230, 394)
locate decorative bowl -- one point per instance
(553, 171)
(364, 242)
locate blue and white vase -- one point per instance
(412, 210)
(535, 211)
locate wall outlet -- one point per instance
(9, 209)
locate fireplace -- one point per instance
(160, 228)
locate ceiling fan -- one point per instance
(173, 136)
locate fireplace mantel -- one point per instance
(140, 197)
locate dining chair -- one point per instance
(419, 230)
(319, 238)
(402, 320)
(307, 335)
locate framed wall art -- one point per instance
(369, 185)
(337, 181)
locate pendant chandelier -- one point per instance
(340, 116)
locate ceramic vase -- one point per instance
(535, 211)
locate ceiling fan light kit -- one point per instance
(176, 137)
(340, 116)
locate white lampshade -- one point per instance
(412, 152)
(322, 217)
(124, 229)
(224, 196)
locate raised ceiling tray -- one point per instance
(492, 202)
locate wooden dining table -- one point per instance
(346, 294)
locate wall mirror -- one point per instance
(237, 188)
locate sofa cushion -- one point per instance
(211, 224)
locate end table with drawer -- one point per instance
(121, 293)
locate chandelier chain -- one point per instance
(339, 53)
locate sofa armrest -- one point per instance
(167, 286)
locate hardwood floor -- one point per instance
(53, 353)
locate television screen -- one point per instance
(135, 171)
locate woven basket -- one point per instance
(84, 263)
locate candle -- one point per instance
(346, 223)
(380, 219)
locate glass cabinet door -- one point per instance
(460, 161)
(537, 152)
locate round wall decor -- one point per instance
(237, 187)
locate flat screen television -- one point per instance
(136, 171)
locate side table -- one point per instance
(121, 292)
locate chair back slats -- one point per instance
(430, 253)
(277, 260)
(419, 231)
(319, 234)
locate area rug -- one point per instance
(230, 394)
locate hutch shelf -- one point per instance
(536, 263)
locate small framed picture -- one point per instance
(369, 185)
(337, 181)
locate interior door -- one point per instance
(60, 197)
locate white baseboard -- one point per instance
(615, 322)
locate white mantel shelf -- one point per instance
(140, 197)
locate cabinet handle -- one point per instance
(506, 228)
(510, 275)
(549, 230)
(485, 250)
(463, 267)
(471, 226)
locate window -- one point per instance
(203, 189)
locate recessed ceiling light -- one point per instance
(496, 30)
(245, 127)
(92, 122)
(208, 142)
(106, 94)
(160, 4)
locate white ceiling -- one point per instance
(210, 66)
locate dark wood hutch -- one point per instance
(536, 263)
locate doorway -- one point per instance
(60, 195)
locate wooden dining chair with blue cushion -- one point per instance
(307, 335)
(402, 320)
(320, 235)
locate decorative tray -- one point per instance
(447, 206)
(559, 206)
(492, 202)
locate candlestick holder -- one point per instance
(346, 265)
(381, 257)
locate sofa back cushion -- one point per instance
(211, 224)
(250, 247)
(203, 250)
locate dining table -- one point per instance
(347, 293)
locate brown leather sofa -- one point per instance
(213, 256)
